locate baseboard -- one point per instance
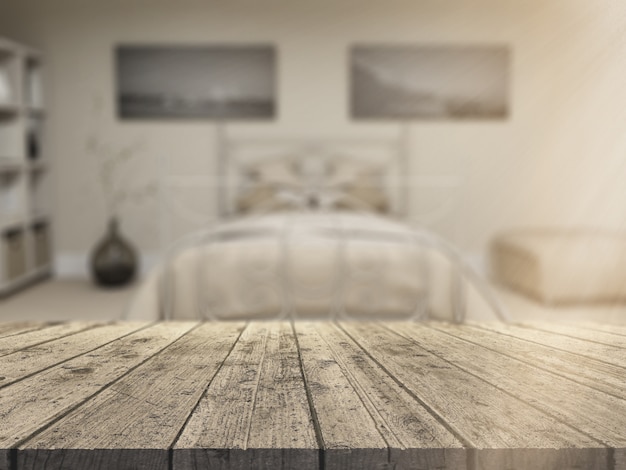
(76, 265)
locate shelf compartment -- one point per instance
(12, 145)
(13, 254)
(40, 238)
(11, 196)
(39, 183)
(9, 83)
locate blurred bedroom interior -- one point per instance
(149, 150)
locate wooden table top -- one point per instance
(312, 395)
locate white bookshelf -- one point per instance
(25, 225)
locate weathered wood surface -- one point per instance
(155, 400)
(33, 359)
(13, 343)
(614, 329)
(276, 395)
(561, 399)
(502, 427)
(11, 329)
(602, 351)
(591, 372)
(574, 331)
(255, 410)
(415, 438)
(30, 405)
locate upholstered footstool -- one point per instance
(562, 266)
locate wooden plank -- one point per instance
(590, 372)
(133, 423)
(586, 334)
(30, 404)
(11, 344)
(619, 459)
(415, 438)
(350, 437)
(21, 364)
(504, 431)
(610, 354)
(607, 328)
(17, 328)
(588, 410)
(255, 413)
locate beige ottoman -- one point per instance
(562, 266)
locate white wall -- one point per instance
(559, 159)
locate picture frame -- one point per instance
(219, 82)
(429, 82)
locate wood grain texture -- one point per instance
(586, 334)
(416, 439)
(275, 395)
(499, 427)
(255, 413)
(604, 352)
(349, 435)
(615, 329)
(619, 459)
(16, 328)
(21, 364)
(155, 400)
(31, 404)
(585, 409)
(605, 377)
(11, 344)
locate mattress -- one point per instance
(301, 265)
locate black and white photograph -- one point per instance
(429, 82)
(204, 82)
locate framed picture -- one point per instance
(429, 82)
(202, 82)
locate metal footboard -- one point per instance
(293, 292)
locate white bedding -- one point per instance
(301, 265)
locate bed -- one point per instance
(313, 228)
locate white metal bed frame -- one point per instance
(226, 148)
(420, 238)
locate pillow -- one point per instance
(279, 171)
(288, 182)
(265, 182)
(359, 184)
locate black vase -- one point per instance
(114, 260)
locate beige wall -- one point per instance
(559, 160)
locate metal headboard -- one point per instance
(396, 147)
